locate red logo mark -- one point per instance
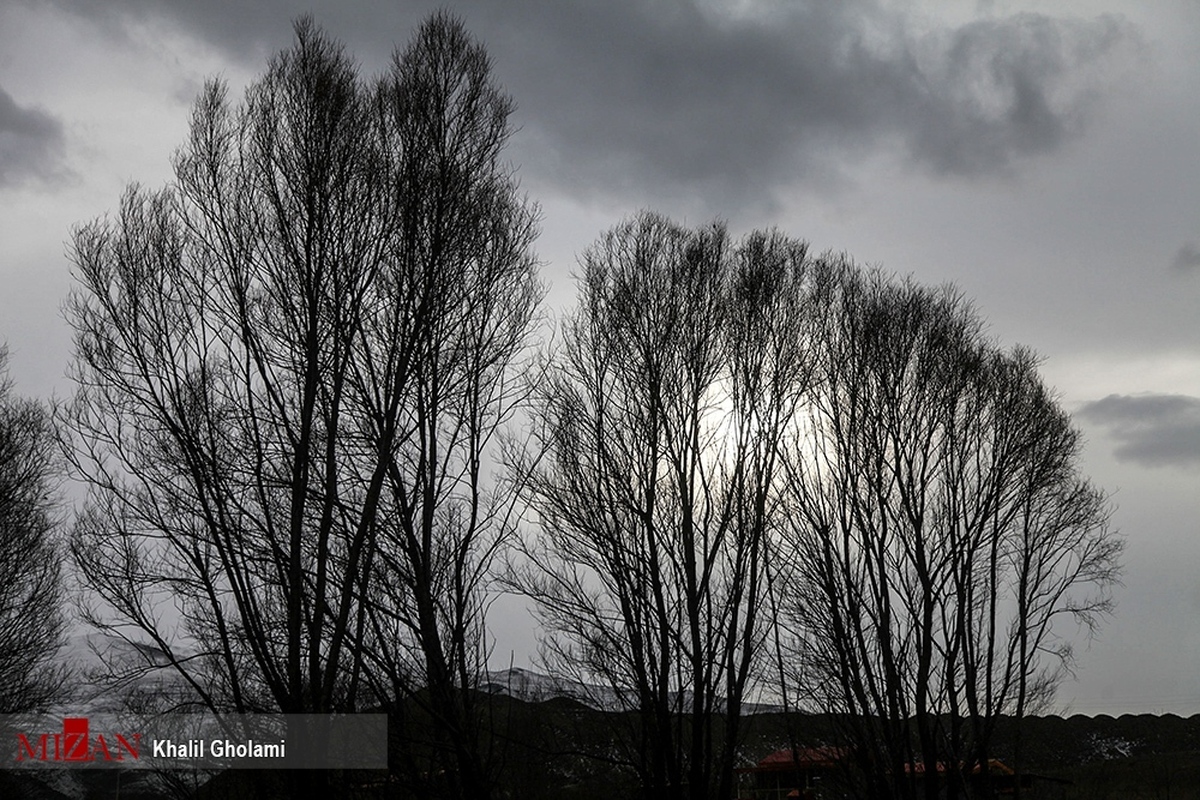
(75, 744)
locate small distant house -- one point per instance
(806, 773)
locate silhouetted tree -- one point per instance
(657, 489)
(467, 262)
(292, 364)
(938, 531)
(31, 596)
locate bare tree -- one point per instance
(939, 530)
(657, 490)
(466, 239)
(291, 367)
(31, 596)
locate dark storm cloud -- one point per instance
(670, 99)
(1152, 430)
(639, 95)
(654, 97)
(1005, 88)
(31, 143)
(1187, 258)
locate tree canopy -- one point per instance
(292, 365)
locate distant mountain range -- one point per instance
(534, 687)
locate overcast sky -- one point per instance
(1046, 162)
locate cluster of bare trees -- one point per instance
(291, 365)
(752, 457)
(750, 473)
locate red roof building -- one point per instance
(805, 773)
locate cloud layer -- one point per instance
(688, 98)
(31, 143)
(653, 95)
(1154, 430)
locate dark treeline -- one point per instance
(318, 437)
